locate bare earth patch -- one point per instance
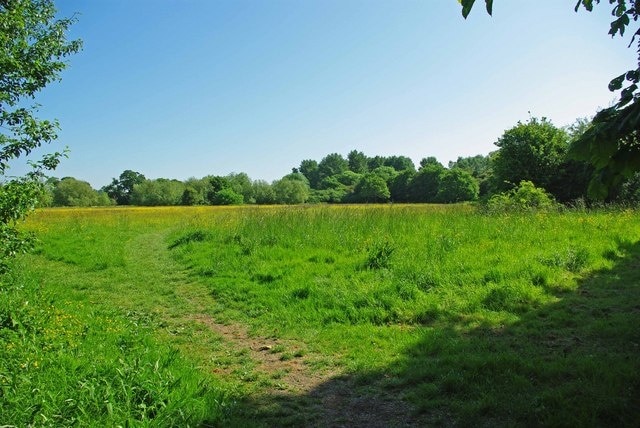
(325, 398)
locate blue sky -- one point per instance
(188, 88)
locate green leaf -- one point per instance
(616, 83)
(489, 6)
(588, 4)
(466, 7)
(602, 152)
(597, 189)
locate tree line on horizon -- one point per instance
(534, 151)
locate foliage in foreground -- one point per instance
(34, 48)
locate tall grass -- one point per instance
(394, 265)
(435, 302)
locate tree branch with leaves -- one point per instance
(611, 143)
(33, 52)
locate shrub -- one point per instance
(525, 197)
(228, 196)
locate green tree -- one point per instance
(372, 188)
(70, 192)
(611, 143)
(400, 187)
(400, 163)
(120, 189)
(159, 192)
(431, 160)
(263, 192)
(375, 162)
(214, 183)
(241, 184)
(358, 162)
(228, 196)
(348, 178)
(457, 185)
(531, 151)
(630, 190)
(425, 184)
(309, 168)
(191, 196)
(33, 49)
(387, 173)
(479, 167)
(524, 197)
(290, 191)
(332, 164)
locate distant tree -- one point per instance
(290, 191)
(227, 196)
(241, 184)
(425, 184)
(332, 164)
(309, 168)
(214, 184)
(191, 196)
(348, 178)
(120, 189)
(531, 151)
(400, 163)
(263, 192)
(372, 188)
(430, 161)
(457, 185)
(159, 192)
(45, 197)
(375, 162)
(297, 176)
(387, 173)
(479, 167)
(358, 162)
(70, 192)
(201, 186)
(332, 195)
(400, 187)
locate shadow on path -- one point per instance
(575, 362)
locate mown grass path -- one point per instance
(275, 381)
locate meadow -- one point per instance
(380, 315)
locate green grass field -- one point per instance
(323, 316)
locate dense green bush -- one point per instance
(525, 197)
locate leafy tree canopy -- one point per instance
(290, 191)
(33, 48)
(457, 185)
(120, 189)
(529, 151)
(372, 188)
(611, 143)
(70, 192)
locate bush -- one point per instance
(525, 197)
(227, 196)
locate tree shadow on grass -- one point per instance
(575, 362)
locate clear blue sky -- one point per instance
(188, 88)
